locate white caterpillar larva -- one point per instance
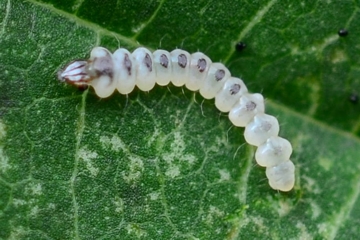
(122, 70)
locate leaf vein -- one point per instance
(76, 6)
(4, 23)
(96, 28)
(153, 16)
(343, 214)
(79, 134)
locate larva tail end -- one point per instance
(282, 176)
(75, 73)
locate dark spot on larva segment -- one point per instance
(148, 62)
(250, 106)
(277, 151)
(182, 60)
(240, 46)
(108, 72)
(201, 65)
(219, 75)
(343, 32)
(354, 98)
(127, 63)
(103, 66)
(266, 126)
(164, 61)
(234, 89)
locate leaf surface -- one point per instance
(166, 164)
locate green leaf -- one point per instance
(166, 164)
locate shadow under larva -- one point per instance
(122, 70)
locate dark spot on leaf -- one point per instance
(354, 98)
(240, 46)
(343, 32)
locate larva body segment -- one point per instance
(125, 76)
(245, 110)
(230, 93)
(199, 66)
(163, 67)
(180, 60)
(214, 80)
(122, 70)
(274, 151)
(262, 127)
(102, 72)
(145, 74)
(281, 176)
